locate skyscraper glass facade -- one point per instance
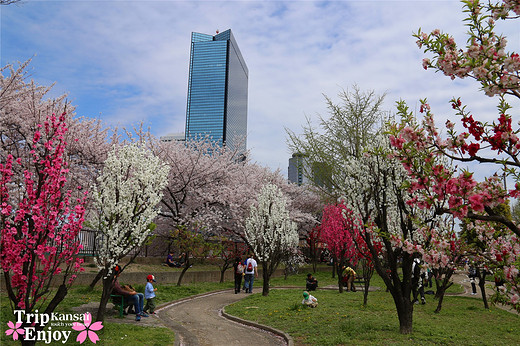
(217, 91)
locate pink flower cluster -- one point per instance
(484, 58)
(39, 234)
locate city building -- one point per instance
(217, 91)
(173, 137)
(296, 171)
(302, 172)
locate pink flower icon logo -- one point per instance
(14, 329)
(87, 329)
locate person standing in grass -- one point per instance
(149, 294)
(349, 275)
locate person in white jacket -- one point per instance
(309, 300)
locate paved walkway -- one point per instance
(198, 321)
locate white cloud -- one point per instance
(127, 61)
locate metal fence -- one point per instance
(91, 241)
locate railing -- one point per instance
(91, 241)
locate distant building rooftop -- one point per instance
(179, 137)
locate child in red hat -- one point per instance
(149, 294)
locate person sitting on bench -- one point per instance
(129, 295)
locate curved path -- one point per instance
(198, 321)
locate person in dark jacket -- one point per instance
(311, 283)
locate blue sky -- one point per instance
(127, 61)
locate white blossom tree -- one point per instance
(270, 232)
(126, 199)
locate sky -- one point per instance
(126, 62)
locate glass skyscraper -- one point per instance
(217, 91)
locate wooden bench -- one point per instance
(119, 301)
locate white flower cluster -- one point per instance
(126, 199)
(269, 230)
(375, 188)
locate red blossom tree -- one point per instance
(338, 230)
(39, 225)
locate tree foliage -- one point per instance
(343, 134)
(126, 199)
(39, 220)
(270, 232)
(423, 150)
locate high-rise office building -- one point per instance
(296, 171)
(217, 91)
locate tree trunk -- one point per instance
(222, 272)
(481, 284)
(442, 286)
(405, 314)
(58, 297)
(440, 297)
(184, 270)
(368, 271)
(266, 276)
(99, 275)
(340, 278)
(365, 293)
(108, 284)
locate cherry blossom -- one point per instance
(14, 330)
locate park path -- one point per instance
(198, 321)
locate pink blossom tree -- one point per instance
(424, 151)
(210, 190)
(24, 105)
(442, 252)
(39, 223)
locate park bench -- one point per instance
(120, 303)
(360, 281)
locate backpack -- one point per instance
(240, 268)
(249, 266)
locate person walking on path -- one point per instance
(239, 272)
(251, 273)
(149, 295)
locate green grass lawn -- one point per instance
(340, 319)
